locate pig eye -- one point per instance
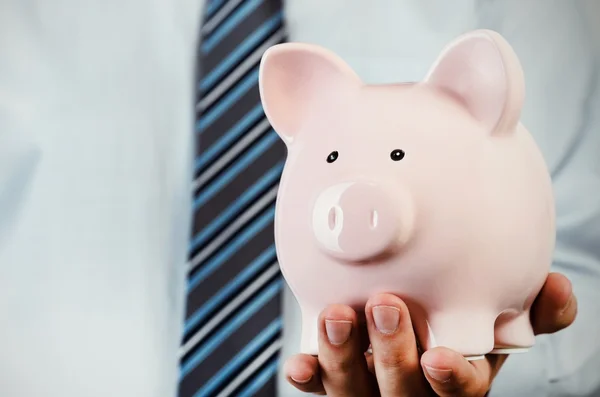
(397, 155)
(332, 156)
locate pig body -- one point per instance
(432, 191)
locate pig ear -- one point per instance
(481, 70)
(295, 80)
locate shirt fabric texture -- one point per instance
(96, 140)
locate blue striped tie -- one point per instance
(232, 331)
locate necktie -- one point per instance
(232, 332)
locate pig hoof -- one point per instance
(474, 358)
(509, 350)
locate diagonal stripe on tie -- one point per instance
(232, 152)
(211, 153)
(207, 300)
(241, 50)
(229, 24)
(258, 344)
(230, 327)
(224, 104)
(232, 332)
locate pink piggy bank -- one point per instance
(432, 191)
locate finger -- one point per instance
(450, 374)
(302, 372)
(555, 308)
(341, 356)
(395, 355)
(370, 362)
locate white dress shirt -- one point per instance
(96, 129)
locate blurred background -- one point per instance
(138, 178)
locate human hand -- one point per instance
(396, 368)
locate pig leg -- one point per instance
(468, 333)
(513, 333)
(309, 342)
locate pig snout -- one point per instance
(358, 221)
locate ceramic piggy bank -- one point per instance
(432, 191)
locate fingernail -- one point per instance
(386, 319)
(567, 305)
(301, 381)
(441, 375)
(338, 331)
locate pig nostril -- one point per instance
(332, 218)
(374, 219)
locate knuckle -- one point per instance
(394, 359)
(339, 364)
